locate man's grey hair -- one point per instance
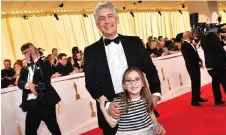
(103, 5)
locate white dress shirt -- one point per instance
(117, 64)
(30, 79)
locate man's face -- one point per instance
(27, 54)
(63, 61)
(7, 64)
(55, 52)
(107, 22)
(162, 39)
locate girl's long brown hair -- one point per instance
(145, 92)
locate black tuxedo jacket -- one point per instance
(97, 74)
(64, 70)
(191, 56)
(215, 55)
(42, 74)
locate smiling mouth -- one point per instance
(134, 88)
(107, 27)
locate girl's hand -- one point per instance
(160, 130)
(102, 100)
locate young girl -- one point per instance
(136, 107)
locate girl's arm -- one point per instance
(107, 117)
(158, 129)
(153, 118)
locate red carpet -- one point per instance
(180, 118)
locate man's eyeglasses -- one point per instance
(130, 81)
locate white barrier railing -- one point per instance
(76, 113)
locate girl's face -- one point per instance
(133, 84)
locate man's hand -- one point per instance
(31, 87)
(56, 75)
(155, 100)
(113, 111)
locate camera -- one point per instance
(41, 90)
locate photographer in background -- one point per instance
(39, 97)
(215, 60)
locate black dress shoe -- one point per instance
(195, 103)
(220, 103)
(203, 100)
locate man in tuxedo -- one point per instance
(215, 60)
(39, 97)
(193, 64)
(106, 60)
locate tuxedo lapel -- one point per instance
(24, 73)
(125, 44)
(103, 57)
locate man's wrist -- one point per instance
(158, 95)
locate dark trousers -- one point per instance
(44, 113)
(195, 83)
(107, 130)
(218, 77)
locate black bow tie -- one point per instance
(108, 41)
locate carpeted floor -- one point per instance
(180, 118)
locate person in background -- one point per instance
(215, 60)
(71, 60)
(172, 46)
(63, 67)
(193, 64)
(150, 38)
(159, 49)
(79, 63)
(152, 49)
(50, 61)
(166, 39)
(41, 53)
(75, 50)
(161, 39)
(55, 55)
(18, 67)
(178, 40)
(7, 74)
